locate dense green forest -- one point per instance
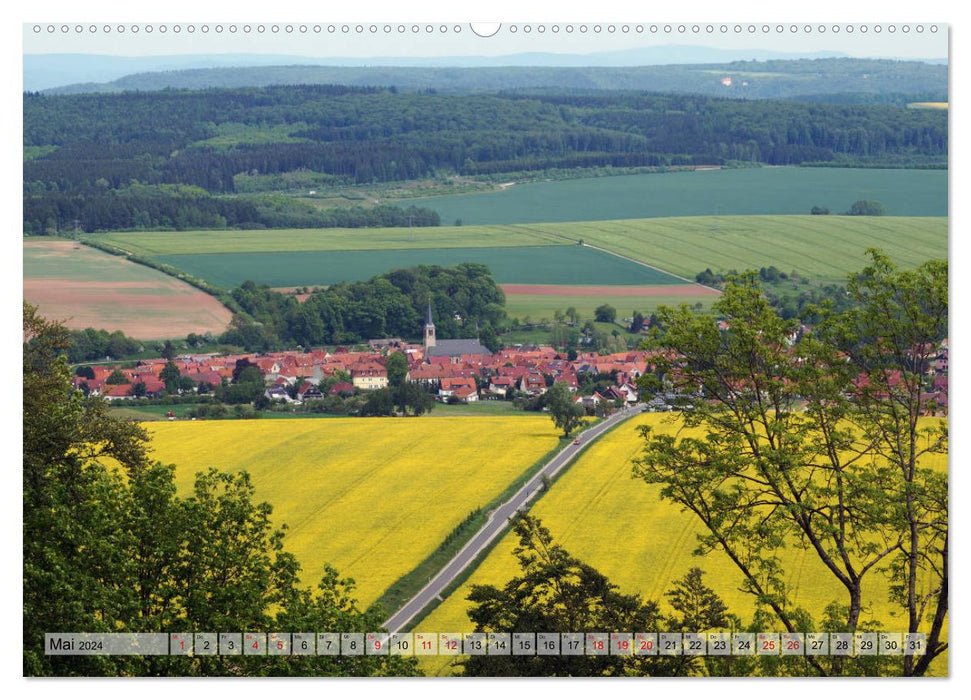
(169, 159)
(465, 299)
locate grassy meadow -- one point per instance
(373, 497)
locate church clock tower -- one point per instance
(429, 329)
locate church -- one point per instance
(449, 348)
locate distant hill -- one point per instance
(858, 80)
(46, 71)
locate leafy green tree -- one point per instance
(412, 397)
(138, 389)
(380, 402)
(109, 546)
(890, 338)
(397, 367)
(867, 207)
(489, 338)
(116, 377)
(605, 313)
(699, 607)
(250, 374)
(71, 505)
(556, 592)
(171, 375)
(819, 211)
(168, 350)
(84, 371)
(809, 443)
(565, 412)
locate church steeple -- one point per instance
(429, 328)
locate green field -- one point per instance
(152, 243)
(563, 264)
(767, 190)
(824, 248)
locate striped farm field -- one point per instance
(153, 243)
(824, 248)
(86, 288)
(373, 497)
(619, 525)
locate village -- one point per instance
(454, 370)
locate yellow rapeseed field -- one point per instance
(619, 525)
(373, 497)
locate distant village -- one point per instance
(457, 371)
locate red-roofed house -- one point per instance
(500, 386)
(114, 392)
(341, 389)
(533, 384)
(465, 394)
(451, 385)
(308, 391)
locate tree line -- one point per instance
(154, 208)
(389, 305)
(96, 145)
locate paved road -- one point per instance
(498, 521)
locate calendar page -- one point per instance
(438, 348)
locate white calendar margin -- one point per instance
(496, 10)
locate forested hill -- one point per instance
(164, 159)
(863, 80)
